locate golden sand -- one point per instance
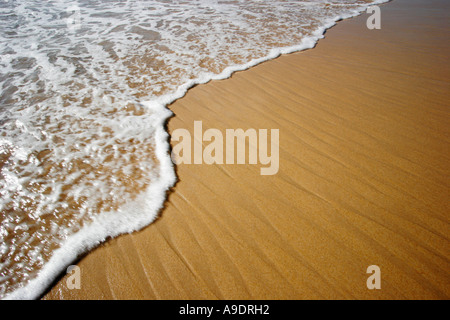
(363, 179)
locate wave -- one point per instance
(84, 151)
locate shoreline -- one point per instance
(311, 222)
(96, 233)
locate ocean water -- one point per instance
(84, 89)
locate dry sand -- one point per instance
(364, 178)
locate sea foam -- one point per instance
(83, 146)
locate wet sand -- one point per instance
(364, 180)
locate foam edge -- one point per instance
(144, 210)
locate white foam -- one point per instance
(140, 212)
(129, 218)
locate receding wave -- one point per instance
(84, 89)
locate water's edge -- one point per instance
(144, 210)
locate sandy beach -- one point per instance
(364, 178)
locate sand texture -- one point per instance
(364, 124)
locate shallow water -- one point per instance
(84, 84)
